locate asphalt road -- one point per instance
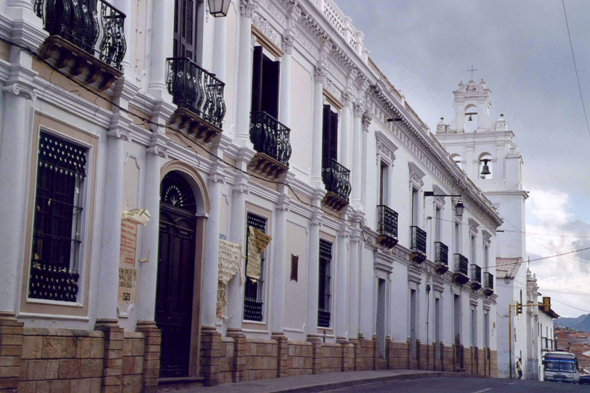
(466, 385)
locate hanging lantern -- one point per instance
(459, 209)
(218, 8)
(486, 169)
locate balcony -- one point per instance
(337, 181)
(253, 309)
(271, 141)
(418, 245)
(475, 277)
(83, 43)
(488, 284)
(387, 227)
(198, 95)
(460, 274)
(441, 257)
(324, 318)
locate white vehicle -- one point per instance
(561, 367)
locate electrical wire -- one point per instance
(575, 65)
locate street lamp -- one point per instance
(218, 8)
(459, 207)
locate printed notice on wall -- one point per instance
(253, 268)
(127, 271)
(230, 255)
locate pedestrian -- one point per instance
(519, 368)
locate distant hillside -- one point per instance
(581, 323)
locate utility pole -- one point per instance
(518, 310)
(510, 338)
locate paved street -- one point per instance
(465, 385)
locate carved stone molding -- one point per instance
(20, 90)
(320, 73)
(359, 108)
(242, 184)
(248, 8)
(385, 148)
(367, 118)
(487, 238)
(473, 225)
(317, 216)
(284, 202)
(416, 175)
(158, 145)
(288, 43)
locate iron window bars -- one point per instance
(196, 90)
(387, 221)
(475, 273)
(325, 282)
(441, 253)
(78, 22)
(488, 281)
(253, 299)
(461, 264)
(270, 137)
(418, 239)
(336, 178)
(60, 175)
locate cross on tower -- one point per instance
(471, 70)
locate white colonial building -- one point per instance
(302, 218)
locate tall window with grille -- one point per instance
(61, 172)
(185, 29)
(254, 292)
(325, 283)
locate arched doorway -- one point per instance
(176, 268)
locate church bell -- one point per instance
(470, 118)
(486, 169)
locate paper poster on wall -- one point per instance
(262, 240)
(230, 255)
(127, 273)
(253, 268)
(221, 303)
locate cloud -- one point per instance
(555, 231)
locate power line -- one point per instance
(575, 65)
(569, 305)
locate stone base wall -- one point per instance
(68, 361)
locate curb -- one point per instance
(366, 381)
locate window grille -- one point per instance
(56, 233)
(254, 296)
(325, 281)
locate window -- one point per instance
(457, 238)
(457, 160)
(265, 84)
(330, 134)
(486, 257)
(325, 282)
(473, 328)
(185, 32)
(436, 320)
(472, 251)
(437, 224)
(254, 292)
(294, 267)
(415, 208)
(61, 173)
(383, 184)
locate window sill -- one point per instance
(55, 303)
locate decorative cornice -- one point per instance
(367, 118)
(319, 73)
(288, 43)
(284, 202)
(385, 148)
(473, 225)
(358, 109)
(20, 90)
(158, 145)
(487, 238)
(248, 8)
(120, 127)
(316, 216)
(416, 175)
(242, 183)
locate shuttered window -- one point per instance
(330, 134)
(265, 84)
(185, 29)
(254, 293)
(61, 173)
(325, 283)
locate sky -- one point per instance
(521, 49)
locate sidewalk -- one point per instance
(321, 382)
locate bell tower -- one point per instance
(472, 103)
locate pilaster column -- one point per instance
(13, 161)
(125, 7)
(318, 124)
(342, 284)
(220, 48)
(279, 262)
(353, 290)
(211, 265)
(313, 271)
(150, 237)
(357, 156)
(244, 94)
(161, 48)
(111, 227)
(237, 235)
(345, 134)
(366, 122)
(285, 94)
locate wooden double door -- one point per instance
(176, 272)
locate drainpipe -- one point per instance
(427, 319)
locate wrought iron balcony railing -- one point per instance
(387, 221)
(324, 318)
(79, 22)
(196, 90)
(461, 264)
(270, 137)
(441, 254)
(488, 283)
(336, 178)
(418, 240)
(252, 309)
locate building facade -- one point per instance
(270, 131)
